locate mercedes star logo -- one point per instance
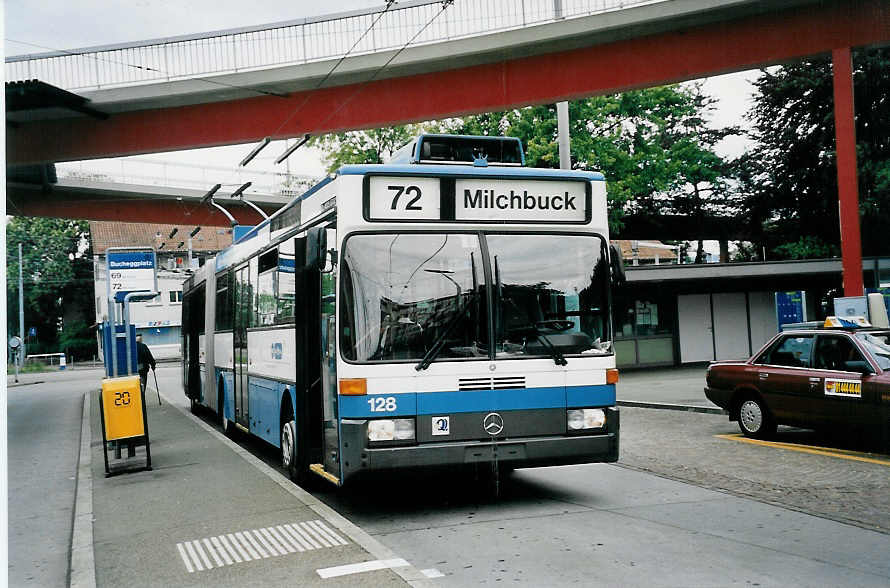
(493, 424)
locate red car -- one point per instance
(823, 378)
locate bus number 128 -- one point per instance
(381, 404)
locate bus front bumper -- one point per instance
(357, 457)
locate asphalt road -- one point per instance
(43, 435)
(664, 516)
(686, 505)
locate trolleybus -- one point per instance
(449, 307)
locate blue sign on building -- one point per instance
(790, 307)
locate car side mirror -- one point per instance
(861, 367)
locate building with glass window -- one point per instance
(159, 321)
(668, 315)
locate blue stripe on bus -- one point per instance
(453, 401)
(580, 396)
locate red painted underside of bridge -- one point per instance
(692, 53)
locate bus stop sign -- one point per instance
(132, 270)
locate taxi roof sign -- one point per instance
(848, 322)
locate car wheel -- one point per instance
(755, 419)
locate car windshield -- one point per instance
(878, 345)
(423, 296)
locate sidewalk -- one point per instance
(210, 513)
(667, 388)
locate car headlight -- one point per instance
(391, 430)
(585, 418)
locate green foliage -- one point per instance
(808, 247)
(652, 145)
(58, 280)
(791, 177)
(361, 147)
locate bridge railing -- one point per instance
(170, 174)
(293, 42)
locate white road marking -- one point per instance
(224, 550)
(339, 539)
(282, 537)
(358, 568)
(194, 556)
(315, 534)
(185, 558)
(432, 573)
(322, 532)
(203, 555)
(242, 547)
(239, 555)
(212, 553)
(293, 537)
(260, 534)
(245, 546)
(313, 544)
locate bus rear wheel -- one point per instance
(289, 459)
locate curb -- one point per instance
(668, 406)
(82, 565)
(409, 574)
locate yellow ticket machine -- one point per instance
(123, 415)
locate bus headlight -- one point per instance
(391, 430)
(585, 418)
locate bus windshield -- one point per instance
(404, 294)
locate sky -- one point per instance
(45, 25)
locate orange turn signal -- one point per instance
(612, 376)
(353, 387)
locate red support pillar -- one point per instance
(847, 177)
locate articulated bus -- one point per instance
(450, 307)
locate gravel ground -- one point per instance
(682, 446)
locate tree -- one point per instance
(653, 145)
(370, 146)
(58, 281)
(791, 177)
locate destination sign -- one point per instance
(520, 200)
(404, 198)
(498, 200)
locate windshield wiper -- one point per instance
(557, 356)
(439, 343)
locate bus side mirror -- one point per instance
(316, 248)
(616, 264)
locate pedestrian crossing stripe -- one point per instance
(243, 546)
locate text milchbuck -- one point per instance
(488, 198)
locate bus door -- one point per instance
(329, 371)
(192, 327)
(243, 312)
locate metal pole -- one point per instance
(562, 124)
(127, 334)
(109, 319)
(847, 182)
(189, 266)
(21, 354)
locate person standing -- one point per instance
(145, 359)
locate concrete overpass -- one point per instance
(549, 59)
(112, 201)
